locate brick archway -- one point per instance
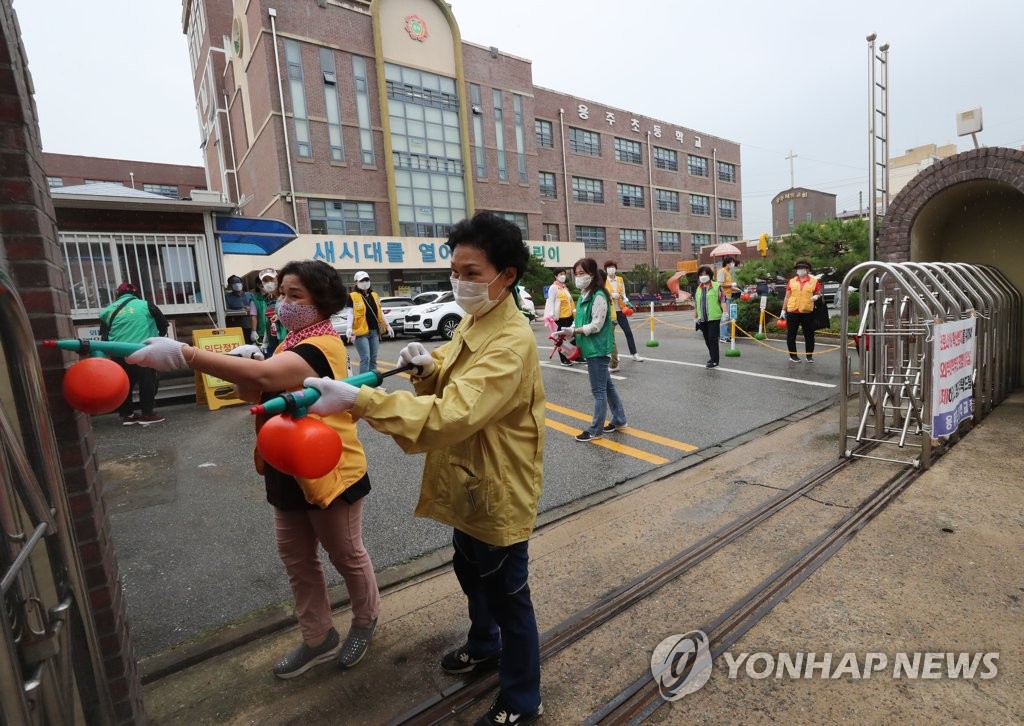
(941, 210)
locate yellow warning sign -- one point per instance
(686, 266)
(213, 391)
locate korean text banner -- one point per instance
(953, 363)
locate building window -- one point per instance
(727, 208)
(587, 190)
(700, 205)
(669, 242)
(584, 142)
(697, 165)
(517, 115)
(630, 195)
(169, 269)
(544, 133)
(478, 132)
(164, 190)
(363, 111)
(668, 200)
(551, 232)
(520, 220)
(628, 151)
(330, 73)
(196, 31)
(789, 208)
(499, 135)
(297, 88)
(632, 240)
(54, 181)
(335, 217)
(726, 171)
(666, 159)
(547, 185)
(698, 240)
(107, 181)
(728, 238)
(593, 238)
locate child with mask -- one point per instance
(711, 308)
(560, 306)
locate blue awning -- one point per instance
(251, 235)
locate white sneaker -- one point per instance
(612, 369)
(637, 358)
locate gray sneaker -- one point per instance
(356, 644)
(301, 659)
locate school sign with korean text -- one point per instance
(384, 253)
(953, 365)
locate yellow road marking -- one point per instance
(653, 438)
(620, 448)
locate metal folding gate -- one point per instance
(51, 669)
(900, 306)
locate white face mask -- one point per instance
(236, 286)
(270, 287)
(704, 279)
(802, 272)
(611, 272)
(473, 297)
(561, 279)
(582, 281)
(363, 284)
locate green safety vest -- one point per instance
(601, 343)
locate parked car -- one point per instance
(427, 297)
(338, 323)
(439, 317)
(395, 309)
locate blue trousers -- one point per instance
(501, 615)
(605, 395)
(366, 346)
(623, 322)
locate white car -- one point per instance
(426, 297)
(439, 317)
(395, 309)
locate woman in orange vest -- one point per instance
(560, 306)
(802, 292)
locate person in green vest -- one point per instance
(710, 308)
(595, 334)
(129, 319)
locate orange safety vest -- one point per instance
(798, 297)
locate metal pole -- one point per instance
(565, 174)
(284, 118)
(871, 146)
(714, 188)
(885, 127)
(650, 193)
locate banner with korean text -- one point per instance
(953, 363)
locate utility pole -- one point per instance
(792, 177)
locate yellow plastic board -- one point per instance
(213, 391)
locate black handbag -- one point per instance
(819, 316)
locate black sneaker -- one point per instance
(794, 358)
(810, 359)
(610, 428)
(501, 715)
(129, 420)
(301, 659)
(587, 436)
(460, 661)
(356, 644)
(711, 364)
(567, 363)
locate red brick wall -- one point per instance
(29, 250)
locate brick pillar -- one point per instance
(30, 252)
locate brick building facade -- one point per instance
(798, 205)
(173, 181)
(396, 128)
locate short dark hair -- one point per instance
(597, 275)
(321, 281)
(802, 263)
(727, 260)
(558, 270)
(499, 239)
(232, 278)
(705, 268)
(611, 263)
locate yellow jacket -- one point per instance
(619, 286)
(479, 417)
(724, 278)
(562, 303)
(798, 294)
(359, 303)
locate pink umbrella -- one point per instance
(725, 249)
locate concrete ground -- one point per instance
(939, 571)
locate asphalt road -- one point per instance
(194, 535)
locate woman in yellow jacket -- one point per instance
(308, 513)
(802, 292)
(478, 413)
(560, 307)
(365, 323)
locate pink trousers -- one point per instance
(340, 531)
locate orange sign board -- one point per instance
(687, 266)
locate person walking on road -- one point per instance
(478, 413)
(802, 292)
(560, 306)
(724, 279)
(365, 323)
(594, 333)
(308, 513)
(710, 307)
(616, 288)
(130, 319)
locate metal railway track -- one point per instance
(642, 698)
(464, 694)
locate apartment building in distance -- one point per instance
(372, 127)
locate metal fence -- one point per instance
(901, 307)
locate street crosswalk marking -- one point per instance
(719, 369)
(629, 430)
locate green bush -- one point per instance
(749, 313)
(853, 303)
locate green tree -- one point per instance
(535, 279)
(832, 248)
(650, 279)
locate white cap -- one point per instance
(268, 272)
(362, 275)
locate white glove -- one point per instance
(615, 296)
(418, 355)
(247, 351)
(254, 336)
(815, 297)
(391, 333)
(782, 316)
(335, 396)
(348, 334)
(566, 333)
(163, 354)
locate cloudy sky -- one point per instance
(112, 76)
